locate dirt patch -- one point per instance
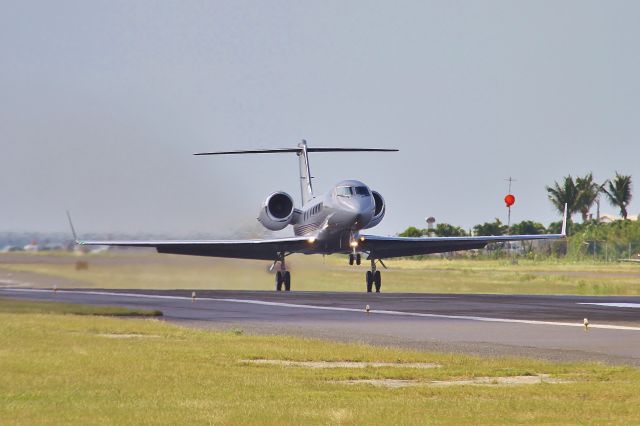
(126, 336)
(339, 364)
(386, 383)
(485, 381)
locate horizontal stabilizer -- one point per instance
(302, 151)
(297, 150)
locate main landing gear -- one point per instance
(374, 278)
(283, 277)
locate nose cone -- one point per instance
(362, 209)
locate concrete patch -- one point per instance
(339, 364)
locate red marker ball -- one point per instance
(509, 200)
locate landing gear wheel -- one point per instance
(358, 259)
(369, 277)
(279, 280)
(377, 280)
(287, 281)
(351, 259)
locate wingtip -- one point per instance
(73, 229)
(564, 221)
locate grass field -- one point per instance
(70, 369)
(30, 307)
(315, 273)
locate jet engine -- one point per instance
(277, 211)
(378, 213)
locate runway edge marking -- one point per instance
(332, 308)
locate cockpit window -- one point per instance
(344, 191)
(348, 191)
(361, 190)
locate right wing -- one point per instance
(238, 249)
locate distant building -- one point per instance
(608, 218)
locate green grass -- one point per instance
(68, 369)
(333, 274)
(11, 306)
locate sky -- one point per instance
(103, 104)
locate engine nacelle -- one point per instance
(378, 213)
(277, 211)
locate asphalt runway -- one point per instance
(548, 327)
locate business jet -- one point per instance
(324, 224)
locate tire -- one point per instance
(279, 281)
(287, 281)
(351, 260)
(369, 277)
(377, 280)
(358, 259)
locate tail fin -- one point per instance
(306, 188)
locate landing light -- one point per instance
(312, 240)
(354, 244)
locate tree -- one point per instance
(446, 230)
(490, 228)
(565, 194)
(527, 227)
(619, 193)
(412, 231)
(587, 193)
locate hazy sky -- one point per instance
(103, 103)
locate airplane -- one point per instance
(324, 224)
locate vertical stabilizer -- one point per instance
(306, 189)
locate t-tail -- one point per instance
(306, 187)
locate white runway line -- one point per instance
(613, 305)
(332, 308)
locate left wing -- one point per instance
(385, 247)
(239, 249)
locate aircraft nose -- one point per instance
(363, 211)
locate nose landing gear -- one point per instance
(355, 258)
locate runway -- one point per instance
(549, 327)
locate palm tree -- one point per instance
(565, 194)
(588, 192)
(619, 193)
